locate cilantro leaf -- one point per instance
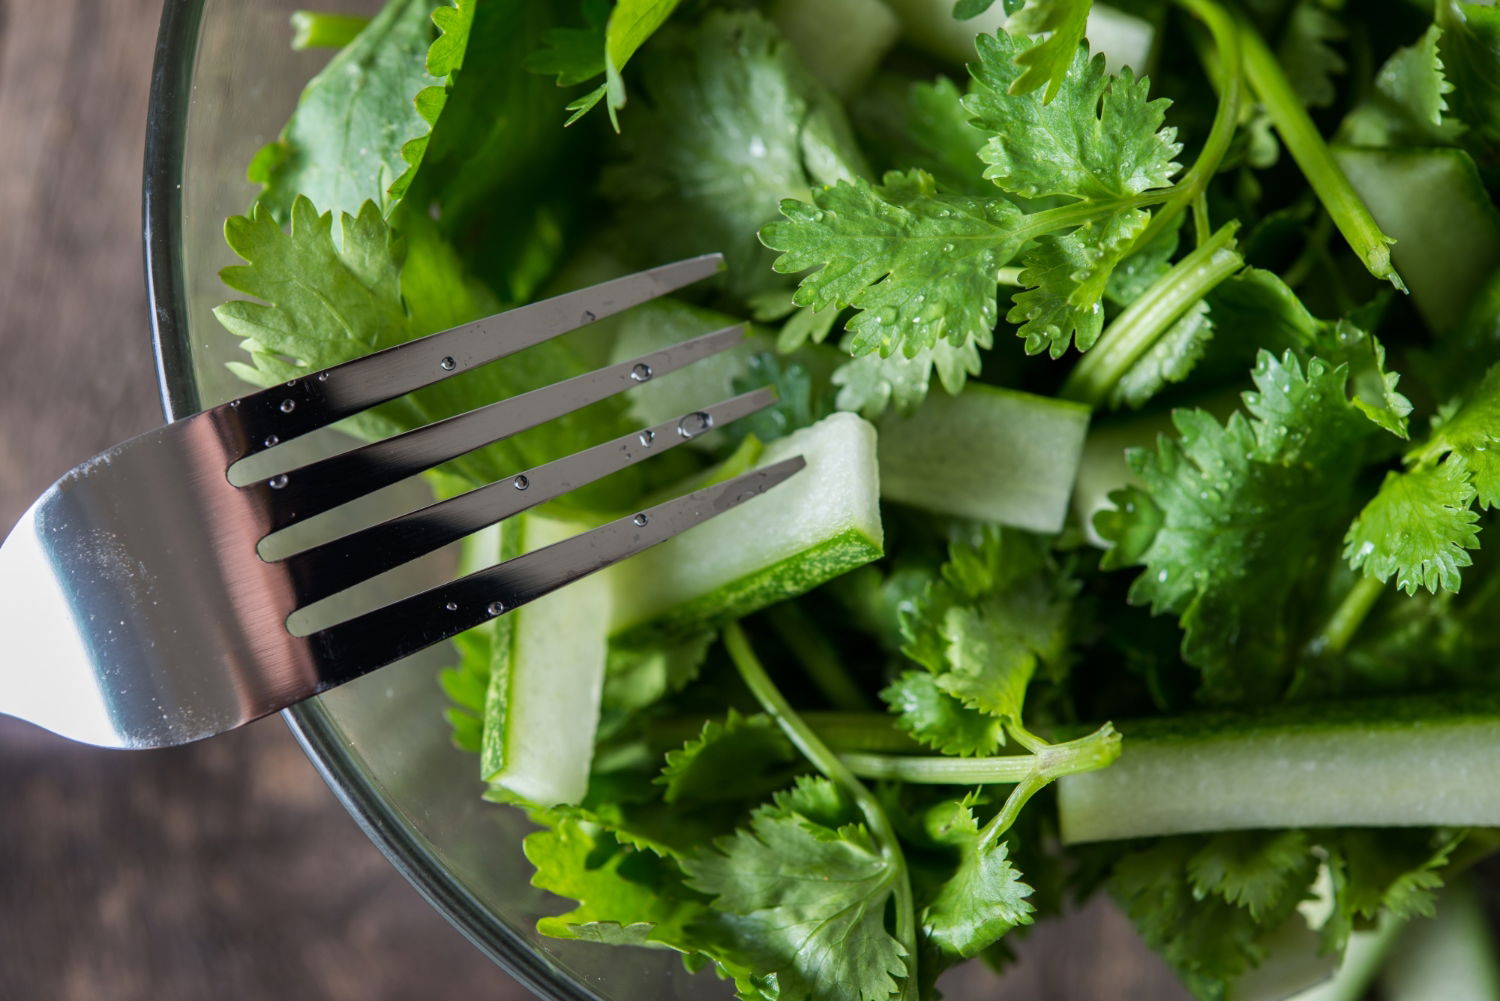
(734, 124)
(1260, 871)
(1239, 510)
(330, 294)
(724, 758)
(1211, 905)
(1045, 63)
(1306, 51)
(1469, 46)
(1470, 430)
(1101, 139)
(1375, 871)
(361, 124)
(919, 264)
(1066, 278)
(577, 55)
(1409, 105)
(802, 893)
(940, 720)
(1418, 527)
(623, 896)
(999, 612)
(869, 384)
(984, 897)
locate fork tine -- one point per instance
(334, 566)
(327, 483)
(338, 392)
(360, 645)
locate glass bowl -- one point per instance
(225, 81)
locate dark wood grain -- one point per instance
(224, 869)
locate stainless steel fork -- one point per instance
(137, 611)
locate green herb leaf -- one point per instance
(984, 897)
(940, 720)
(1241, 508)
(724, 758)
(1046, 63)
(734, 124)
(1101, 139)
(351, 138)
(1418, 527)
(803, 893)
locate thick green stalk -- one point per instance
(1146, 319)
(313, 29)
(824, 760)
(1346, 619)
(1307, 147)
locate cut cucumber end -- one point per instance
(987, 453)
(1418, 762)
(822, 522)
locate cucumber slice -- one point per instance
(987, 453)
(1414, 762)
(1447, 240)
(929, 25)
(546, 674)
(840, 41)
(822, 522)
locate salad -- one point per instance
(1146, 362)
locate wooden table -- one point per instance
(224, 869)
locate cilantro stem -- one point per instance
(1228, 71)
(1346, 619)
(1141, 324)
(1308, 149)
(824, 760)
(1085, 754)
(818, 657)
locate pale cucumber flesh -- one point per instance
(1447, 240)
(822, 522)
(545, 681)
(994, 454)
(1418, 762)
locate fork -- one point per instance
(139, 611)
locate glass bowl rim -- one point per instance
(312, 725)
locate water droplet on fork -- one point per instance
(641, 519)
(641, 372)
(287, 406)
(277, 482)
(322, 376)
(233, 404)
(495, 607)
(448, 364)
(693, 425)
(271, 441)
(520, 482)
(647, 437)
(452, 606)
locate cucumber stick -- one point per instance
(546, 673)
(822, 522)
(548, 657)
(840, 41)
(1431, 762)
(994, 454)
(1447, 240)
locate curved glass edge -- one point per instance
(315, 731)
(161, 204)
